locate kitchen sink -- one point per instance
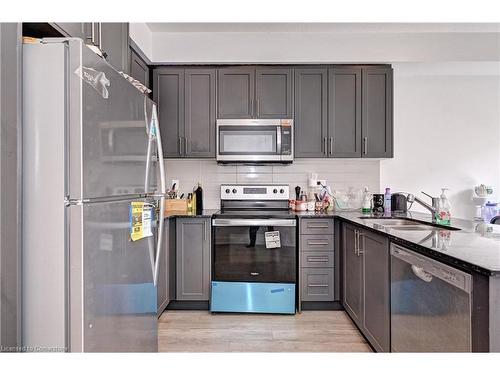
(406, 224)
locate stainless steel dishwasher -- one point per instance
(430, 304)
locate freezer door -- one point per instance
(113, 298)
(109, 122)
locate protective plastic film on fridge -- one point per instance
(91, 149)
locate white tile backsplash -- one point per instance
(339, 174)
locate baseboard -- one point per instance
(188, 305)
(322, 305)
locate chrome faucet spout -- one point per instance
(433, 209)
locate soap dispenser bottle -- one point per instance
(367, 201)
(443, 215)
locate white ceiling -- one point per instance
(323, 27)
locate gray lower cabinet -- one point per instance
(114, 43)
(236, 92)
(193, 259)
(139, 69)
(186, 110)
(311, 123)
(316, 251)
(377, 121)
(274, 92)
(366, 283)
(344, 112)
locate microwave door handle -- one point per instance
(278, 140)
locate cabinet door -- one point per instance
(193, 259)
(273, 92)
(352, 275)
(377, 123)
(236, 92)
(169, 95)
(376, 284)
(199, 128)
(114, 43)
(317, 284)
(139, 69)
(73, 29)
(310, 113)
(344, 112)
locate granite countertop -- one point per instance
(204, 213)
(476, 246)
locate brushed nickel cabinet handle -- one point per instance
(360, 251)
(317, 260)
(185, 146)
(331, 145)
(318, 285)
(180, 146)
(320, 243)
(365, 145)
(325, 151)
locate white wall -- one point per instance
(322, 47)
(447, 130)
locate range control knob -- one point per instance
(228, 191)
(282, 191)
(275, 191)
(234, 191)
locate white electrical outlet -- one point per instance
(176, 182)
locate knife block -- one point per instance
(176, 205)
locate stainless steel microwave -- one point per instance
(255, 140)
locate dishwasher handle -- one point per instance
(426, 268)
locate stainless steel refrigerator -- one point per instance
(91, 147)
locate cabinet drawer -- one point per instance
(317, 259)
(316, 226)
(317, 284)
(316, 242)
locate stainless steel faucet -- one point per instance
(433, 209)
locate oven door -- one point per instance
(254, 250)
(248, 143)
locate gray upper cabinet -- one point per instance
(199, 130)
(73, 29)
(186, 110)
(236, 91)
(193, 259)
(311, 112)
(344, 112)
(377, 126)
(274, 92)
(376, 286)
(113, 41)
(139, 69)
(168, 88)
(352, 274)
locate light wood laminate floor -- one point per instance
(311, 331)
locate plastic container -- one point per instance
(489, 211)
(387, 201)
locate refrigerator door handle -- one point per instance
(161, 166)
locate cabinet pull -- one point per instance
(317, 226)
(317, 285)
(355, 241)
(180, 146)
(252, 108)
(185, 146)
(317, 260)
(331, 145)
(321, 243)
(360, 251)
(365, 145)
(258, 107)
(325, 151)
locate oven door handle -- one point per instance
(253, 222)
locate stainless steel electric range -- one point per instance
(254, 251)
